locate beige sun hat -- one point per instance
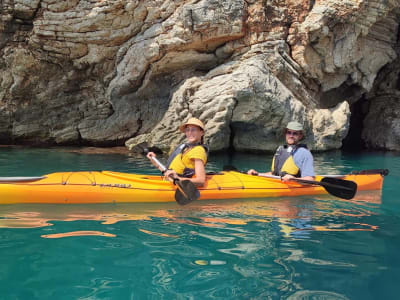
(192, 121)
(295, 126)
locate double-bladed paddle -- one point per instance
(186, 191)
(337, 187)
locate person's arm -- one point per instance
(149, 156)
(306, 166)
(254, 172)
(200, 173)
(288, 177)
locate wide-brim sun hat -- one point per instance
(295, 126)
(192, 121)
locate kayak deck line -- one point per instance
(112, 187)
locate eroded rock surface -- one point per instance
(117, 71)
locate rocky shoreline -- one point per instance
(79, 150)
(123, 72)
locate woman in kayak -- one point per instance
(187, 161)
(293, 159)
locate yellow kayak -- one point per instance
(110, 187)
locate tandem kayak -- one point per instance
(115, 187)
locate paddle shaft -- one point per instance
(159, 164)
(304, 181)
(383, 172)
(163, 169)
(187, 190)
(20, 179)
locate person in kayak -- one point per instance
(293, 159)
(187, 161)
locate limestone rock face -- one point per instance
(382, 125)
(116, 72)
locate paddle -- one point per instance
(340, 188)
(20, 179)
(186, 191)
(383, 172)
(337, 187)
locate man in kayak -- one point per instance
(187, 161)
(293, 159)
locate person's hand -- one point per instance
(168, 173)
(252, 172)
(150, 155)
(287, 177)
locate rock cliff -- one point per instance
(114, 72)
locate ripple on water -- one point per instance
(316, 295)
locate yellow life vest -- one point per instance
(283, 162)
(182, 160)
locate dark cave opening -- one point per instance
(353, 142)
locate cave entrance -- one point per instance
(353, 142)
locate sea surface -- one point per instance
(314, 247)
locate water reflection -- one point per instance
(77, 233)
(296, 217)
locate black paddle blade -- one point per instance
(340, 188)
(186, 192)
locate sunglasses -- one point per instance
(193, 129)
(294, 133)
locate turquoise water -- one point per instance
(316, 247)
